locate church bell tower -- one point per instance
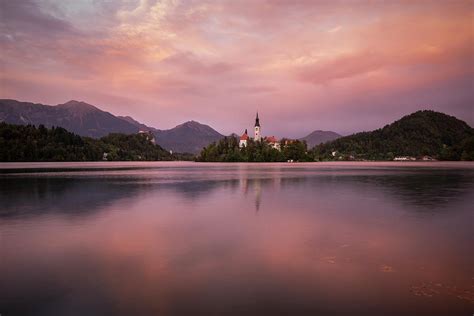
(258, 135)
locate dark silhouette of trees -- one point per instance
(423, 133)
(30, 143)
(227, 150)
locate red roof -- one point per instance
(244, 136)
(271, 139)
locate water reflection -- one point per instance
(37, 195)
(237, 241)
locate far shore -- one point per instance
(140, 164)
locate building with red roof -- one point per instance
(271, 140)
(243, 139)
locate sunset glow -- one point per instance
(304, 65)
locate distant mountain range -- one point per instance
(189, 137)
(319, 137)
(423, 133)
(87, 120)
(77, 117)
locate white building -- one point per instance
(258, 134)
(271, 140)
(404, 158)
(243, 139)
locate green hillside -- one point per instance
(30, 143)
(423, 133)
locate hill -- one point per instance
(422, 133)
(30, 143)
(87, 120)
(188, 137)
(319, 137)
(77, 117)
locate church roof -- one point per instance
(244, 136)
(271, 139)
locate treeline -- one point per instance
(423, 133)
(227, 150)
(30, 143)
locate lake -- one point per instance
(183, 238)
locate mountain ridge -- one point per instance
(182, 138)
(422, 133)
(88, 120)
(78, 117)
(318, 136)
(188, 137)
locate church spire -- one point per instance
(257, 128)
(257, 121)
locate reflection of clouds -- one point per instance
(188, 248)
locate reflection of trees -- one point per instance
(24, 196)
(31, 195)
(423, 189)
(196, 188)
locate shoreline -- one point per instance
(146, 164)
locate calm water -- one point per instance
(239, 239)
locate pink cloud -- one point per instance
(166, 62)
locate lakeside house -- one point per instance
(404, 158)
(410, 158)
(273, 142)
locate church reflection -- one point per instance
(37, 195)
(219, 231)
(257, 186)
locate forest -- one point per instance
(227, 150)
(419, 135)
(31, 143)
(423, 133)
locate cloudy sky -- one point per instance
(345, 66)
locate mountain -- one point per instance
(319, 137)
(188, 137)
(87, 120)
(140, 126)
(77, 117)
(421, 133)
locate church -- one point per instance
(272, 140)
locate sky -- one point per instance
(344, 66)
